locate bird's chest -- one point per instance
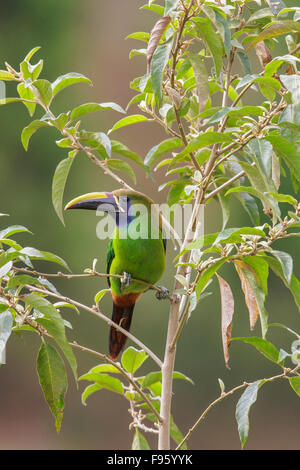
(142, 258)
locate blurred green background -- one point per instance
(88, 37)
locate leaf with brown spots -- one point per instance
(227, 302)
(263, 53)
(250, 298)
(155, 36)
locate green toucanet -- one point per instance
(136, 251)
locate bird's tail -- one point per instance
(122, 316)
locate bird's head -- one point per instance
(115, 202)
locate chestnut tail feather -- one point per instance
(122, 316)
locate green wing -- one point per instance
(109, 259)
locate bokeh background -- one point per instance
(89, 37)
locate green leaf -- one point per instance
(64, 143)
(245, 62)
(275, 30)
(201, 77)
(5, 269)
(127, 121)
(295, 384)
(140, 35)
(6, 323)
(105, 368)
(54, 324)
(35, 70)
(43, 91)
(225, 207)
(207, 275)
(120, 165)
(105, 380)
(285, 149)
(204, 140)
(272, 67)
(29, 130)
(159, 62)
(284, 198)
(27, 94)
(118, 147)
(155, 8)
(6, 76)
(170, 5)
(232, 235)
(33, 253)
(294, 285)
(135, 52)
(257, 15)
(139, 442)
(132, 359)
(292, 84)
(153, 377)
(93, 107)
(53, 380)
(212, 40)
(59, 305)
(237, 112)
(266, 348)
(21, 280)
(100, 294)
(98, 141)
(68, 79)
(9, 231)
(61, 120)
(224, 29)
(243, 408)
(280, 325)
(31, 53)
(261, 269)
(176, 434)
(158, 151)
(262, 151)
(59, 183)
(88, 391)
(286, 262)
(266, 198)
(12, 100)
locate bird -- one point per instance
(136, 252)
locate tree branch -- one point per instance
(99, 315)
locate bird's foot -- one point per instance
(125, 280)
(162, 293)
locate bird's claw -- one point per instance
(125, 280)
(163, 293)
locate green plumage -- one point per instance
(137, 249)
(142, 258)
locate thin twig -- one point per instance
(223, 395)
(90, 274)
(117, 365)
(226, 184)
(99, 315)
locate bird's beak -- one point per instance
(106, 202)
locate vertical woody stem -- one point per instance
(170, 353)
